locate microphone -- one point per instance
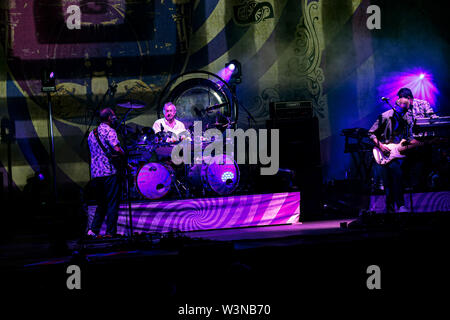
(162, 128)
(393, 108)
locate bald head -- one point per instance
(108, 116)
(105, 114)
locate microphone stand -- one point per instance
(123, 121)
(111, 91)
(385, 100)
(395, 111)
(249, 115)
(127, 175)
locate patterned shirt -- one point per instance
(422, 109)
(101, 165)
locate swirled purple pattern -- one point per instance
(422, 202)
(209, 213)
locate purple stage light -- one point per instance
(41, 176)
(231, 71)
(52, 75)
(419, 81)
(225, 73)
(228, 175)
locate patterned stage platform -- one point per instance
(422, 202)
(209, 213)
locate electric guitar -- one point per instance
(121, 164)
(398, 149)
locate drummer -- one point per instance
(169, 123)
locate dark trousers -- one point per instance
(107, 194)
(417, 166)
(393, 184)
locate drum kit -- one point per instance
(155, 176)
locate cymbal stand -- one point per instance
(176, 182)
(128, 199)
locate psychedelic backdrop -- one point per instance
(289, 50)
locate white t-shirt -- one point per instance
(177, 128)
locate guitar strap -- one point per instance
(101, 144)
(115, 162)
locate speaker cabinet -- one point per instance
(300, 151)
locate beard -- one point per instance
(115, 123)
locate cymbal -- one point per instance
(132, 104)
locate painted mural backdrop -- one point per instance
(289, 50)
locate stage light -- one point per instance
(48, 81)
(235, 67)
(420, 82)
(227, 176)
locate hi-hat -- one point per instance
(132, 104)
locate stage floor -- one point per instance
(29, 252)
(272, 232)
(216, 264)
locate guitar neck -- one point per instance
(411, 146)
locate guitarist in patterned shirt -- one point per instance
(103, 145)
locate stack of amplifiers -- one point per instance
(288, 110)
(300, 150)
(299, 133)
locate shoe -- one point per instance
(91, 234)
(403, 209)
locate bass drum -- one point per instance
(154, 180)
(219, 174)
